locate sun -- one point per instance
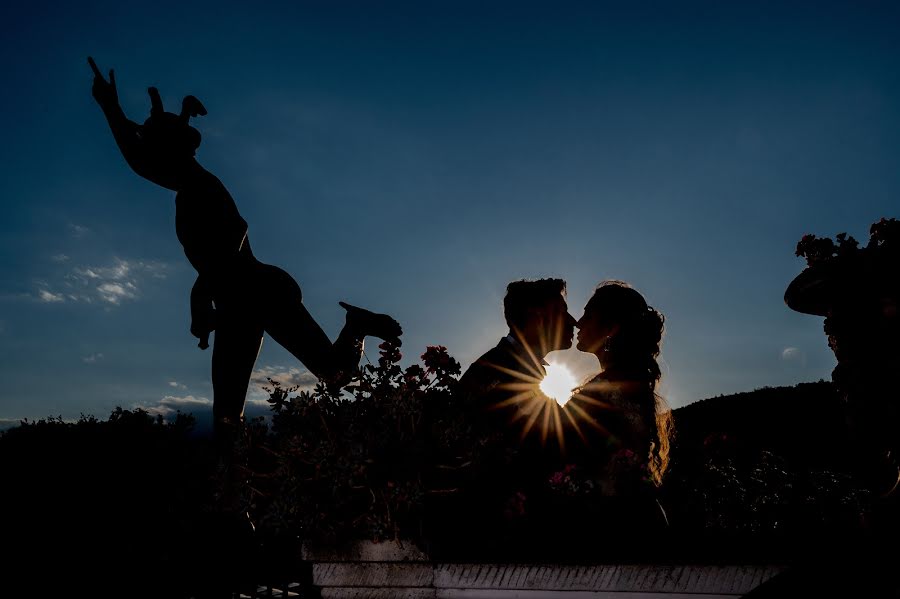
(559, 383)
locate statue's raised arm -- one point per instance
(150, 149)
(163, 150)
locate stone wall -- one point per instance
(395, 571)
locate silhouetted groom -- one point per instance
(501, 387)
(508, 415)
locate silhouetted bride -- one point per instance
(235, 294)
(620, 426)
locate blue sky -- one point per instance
(414, 158)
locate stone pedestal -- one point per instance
(401, 571)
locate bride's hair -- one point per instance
(636, 331)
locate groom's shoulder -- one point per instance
(499, 354)
(487, 371)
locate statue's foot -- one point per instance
(372, 324)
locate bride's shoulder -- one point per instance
(613, 393)
(599, 385)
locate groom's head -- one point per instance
(537, 314)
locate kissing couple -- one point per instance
(615, 428)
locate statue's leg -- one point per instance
(238, 340)
(360, 320)
(292, 326)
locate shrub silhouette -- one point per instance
(131, 492)
(93, 503)
(357, 465)
(368, 465)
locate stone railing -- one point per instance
(394, 571)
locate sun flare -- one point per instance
(559, 383)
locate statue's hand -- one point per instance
(203, 322)
(104, 91)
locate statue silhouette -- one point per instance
(235, 295)
(857, 290)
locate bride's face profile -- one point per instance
(593, 332)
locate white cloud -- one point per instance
(114, 293)
(186, 400)
(92, 359)
(170, 404)
(59, 258)
(49, 297)
(793, 355)
(286, 377)
(119, 270)
(78, 231)
(177, 385)
(110, 285)
(789, 353)
(201, 408)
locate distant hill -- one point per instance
(8, 423)
(804, 424)
(774, 461)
